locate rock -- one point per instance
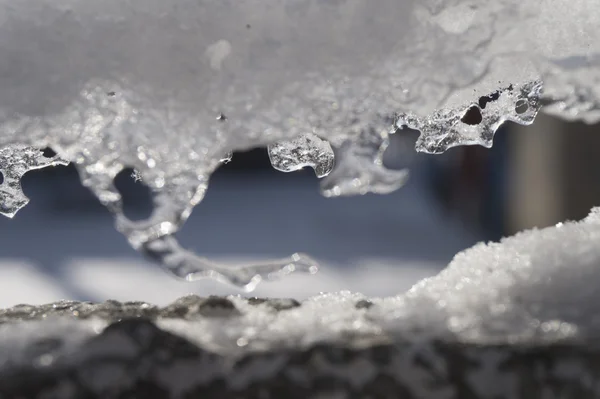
(363, 304)
(136, 350)
(215, 306)
(275, 303)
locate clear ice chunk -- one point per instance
(15, 161)
(477, 122)
(305, 150)
(360, 167)
(185, 264)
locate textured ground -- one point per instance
(134, 350)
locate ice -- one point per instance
(170, 89)
(306, 150)
(15, 161)
(475, 123)
(360, 167)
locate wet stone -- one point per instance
(181, 307)
(109, 310)
(188, 300)
(217, 307)
(256, 301)
(143, 357)
(363, 304)
(277, 304)
(284, 304)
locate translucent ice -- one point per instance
(15, 161)
(170, 88)
(360, 167)
(305, 150)
(475, 123)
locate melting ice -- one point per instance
(170, 89)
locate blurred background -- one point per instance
(63, 244)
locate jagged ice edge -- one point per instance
(359, 171)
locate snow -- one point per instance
(61, 336)
(536, 285)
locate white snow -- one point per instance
(16, 340)
(538, 284)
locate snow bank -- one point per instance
(538, 284)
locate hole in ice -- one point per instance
(252, 161)
(136, 196)
(48, 152)
(484, 100)
(521, 107)
(472, 116)
(1, 178)
(400, 152)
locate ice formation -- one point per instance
(170, 88)
(306, 150)
(15, 161)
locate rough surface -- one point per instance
(133, 356)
